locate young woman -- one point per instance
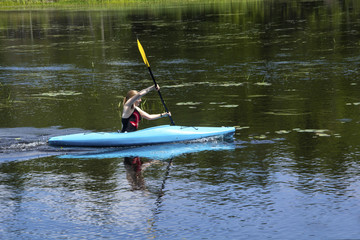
(132, 114)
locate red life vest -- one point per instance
(131, 123)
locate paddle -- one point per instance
(142, 52)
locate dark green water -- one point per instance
(285, 73)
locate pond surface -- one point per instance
(284, 73)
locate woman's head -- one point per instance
(129, 95)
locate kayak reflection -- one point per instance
(134, 165)
(158, 152)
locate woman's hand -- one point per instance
(165, 114)
(157, 87)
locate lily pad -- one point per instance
(317, 131)
(259, 137)
(286, 112)
(355, 104)
(188, 103)
(290, 98)
(262, 84)
(282, 132)
(186, 84)
(323, 135)
(240, 128)
(59, 93)
(214, 103)
(229, 84)
(229, 106)
(257, 96)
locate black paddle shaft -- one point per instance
(161, 98)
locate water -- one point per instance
(285, 73)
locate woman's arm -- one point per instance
(152, 116)
(127, 109)
(139, 95)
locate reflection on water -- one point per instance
(285, 73)
(89, 197)
(134, 168)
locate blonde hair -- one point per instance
(129, 95)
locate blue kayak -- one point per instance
(153, 135)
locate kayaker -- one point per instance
(132, 113)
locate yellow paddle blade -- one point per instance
(143, 53)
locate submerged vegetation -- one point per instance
(29, 2)
(54, 3)
(70, 3)
(5, 4)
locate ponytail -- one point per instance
(129, 95)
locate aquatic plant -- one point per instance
(5, 96)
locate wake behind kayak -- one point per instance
(154, 135)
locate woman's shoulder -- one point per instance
(127, 111)
(138, 109)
